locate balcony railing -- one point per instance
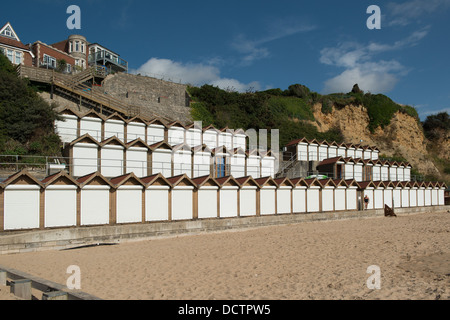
(106, 56)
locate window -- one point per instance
(71, 46)
(77, 46)
(69, 68)
(82, 47)
(8, 33)
(10, 55)
(18, 57)
(49, 61)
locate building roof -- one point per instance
(200, 181)
(13, 41)
(331, 161)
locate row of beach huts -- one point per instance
(61, 201)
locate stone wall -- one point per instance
(154, 96)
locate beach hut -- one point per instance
(301, 149)
(406, 190)
(421, 194)
(435, 193)
(384, 170)
(194, 134)
(161, 158)
(327, 194)
(332, 167)
(368, 166)
(340, 195)
(299, 195)
(413, 194)
(22, 196)
(221, 162)
(67, 127)
(378, 194)
(84, 155)
(359, 170)
(137, 155)
(332, 150)
(201, 161)
(376, 170)
(367, 153)
(428, 193)
(350, 149)
(248, 197)
(182, 160)
(349, 168)
(240, 139)
(157, 189)
(129, 198)
(206, 197)
(313, 150)
(253, 164)
(407, 172)
(342, 150)
(267, 164)
(176, 133)
(60, 204)
(375, 153)
(368, 189)
(156, 130)
(95, 194)
(388, 193)
(359, 151)
(401, 172)
(210, 137)
(182, 198)
(225, 138)
(237, 163)
(352, 199)
(313, 203)
(267, 192)
(228, 194)
(112, 156)
(136, 129)
(397, 194)
(91, 123)
(284, 195)
(393, 171)
(323, 150)
(114, 127)
(441, 196)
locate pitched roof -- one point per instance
(151, 179)
(23, 173)
(118, 181)
(200, 181)
(330, 161)
(246, 180)
(178, 179)
(62, 174)
(84, 180)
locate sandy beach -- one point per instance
(314, 260)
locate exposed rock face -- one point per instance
(403, 136)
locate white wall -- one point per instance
(327, 199)
(202, 164)
(441, 196)
(339, 199)
(112, 161)
(359, 173)
(388, 197)
(284, 200)
(115, 128)
(253, 167)
(376, 173)
(226, 139)
(313, 152)
(397, 198)
(60, 206)
(332, 152)
(95, 205)
(176, 136)
(182, 203)
(342, 152)
(155, 134)
(240, 141)
(427, 197)
(207, 202)
(68, 129)
(21, 207)
(91, 126)
(405, 198)
(400, 174)
(248, 201)
(413, 197)
(378, 195)
(348, 174)
(210, 139)
(323, 152)
(135, 130)
(312, 199)
(299, 200)
(182, 163)
(137, 161)
(157, 203)
(268, 167)
(352, 199)
(267, 201)
(162, 162)
(434, 197)
(302, 152)
(237, 163)
(194, 137)
(421, 197)
(85, 157)
(228, 202)
(393, 173)
(407, 174)
(384, 173)
(129, 204)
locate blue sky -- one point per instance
(244, 44)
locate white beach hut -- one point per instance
(114, 127)
(299, 195)
(313, 202)
(156, 130)
(267, 190)
(136, 128)
(328, 194)
(161, 159)
(421, 194)
(284, 195)
(182, 198)
(157, 189)
(340, 192)
(210, 137)
(182, 160)
(84, 155)
(406, 194)
(248, 197)
(253, 164)
(228, 194)
(397, 194)
(67, 127)
(201, 161)
(207, 196)
(240, 139)
(91, 123)
(137, 154)
(378, 195)
(129, 198)
(112, 157)
(352, 195)
(176, 133)
(237, 163)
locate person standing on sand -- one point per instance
(366, 202)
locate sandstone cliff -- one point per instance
(403, 137)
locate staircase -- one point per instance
(75, 88)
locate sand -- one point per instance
(314, 260)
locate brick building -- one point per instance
(13, 48)
(47, 56)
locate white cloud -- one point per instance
(193, 73)
(405, 13)
(361, 67)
